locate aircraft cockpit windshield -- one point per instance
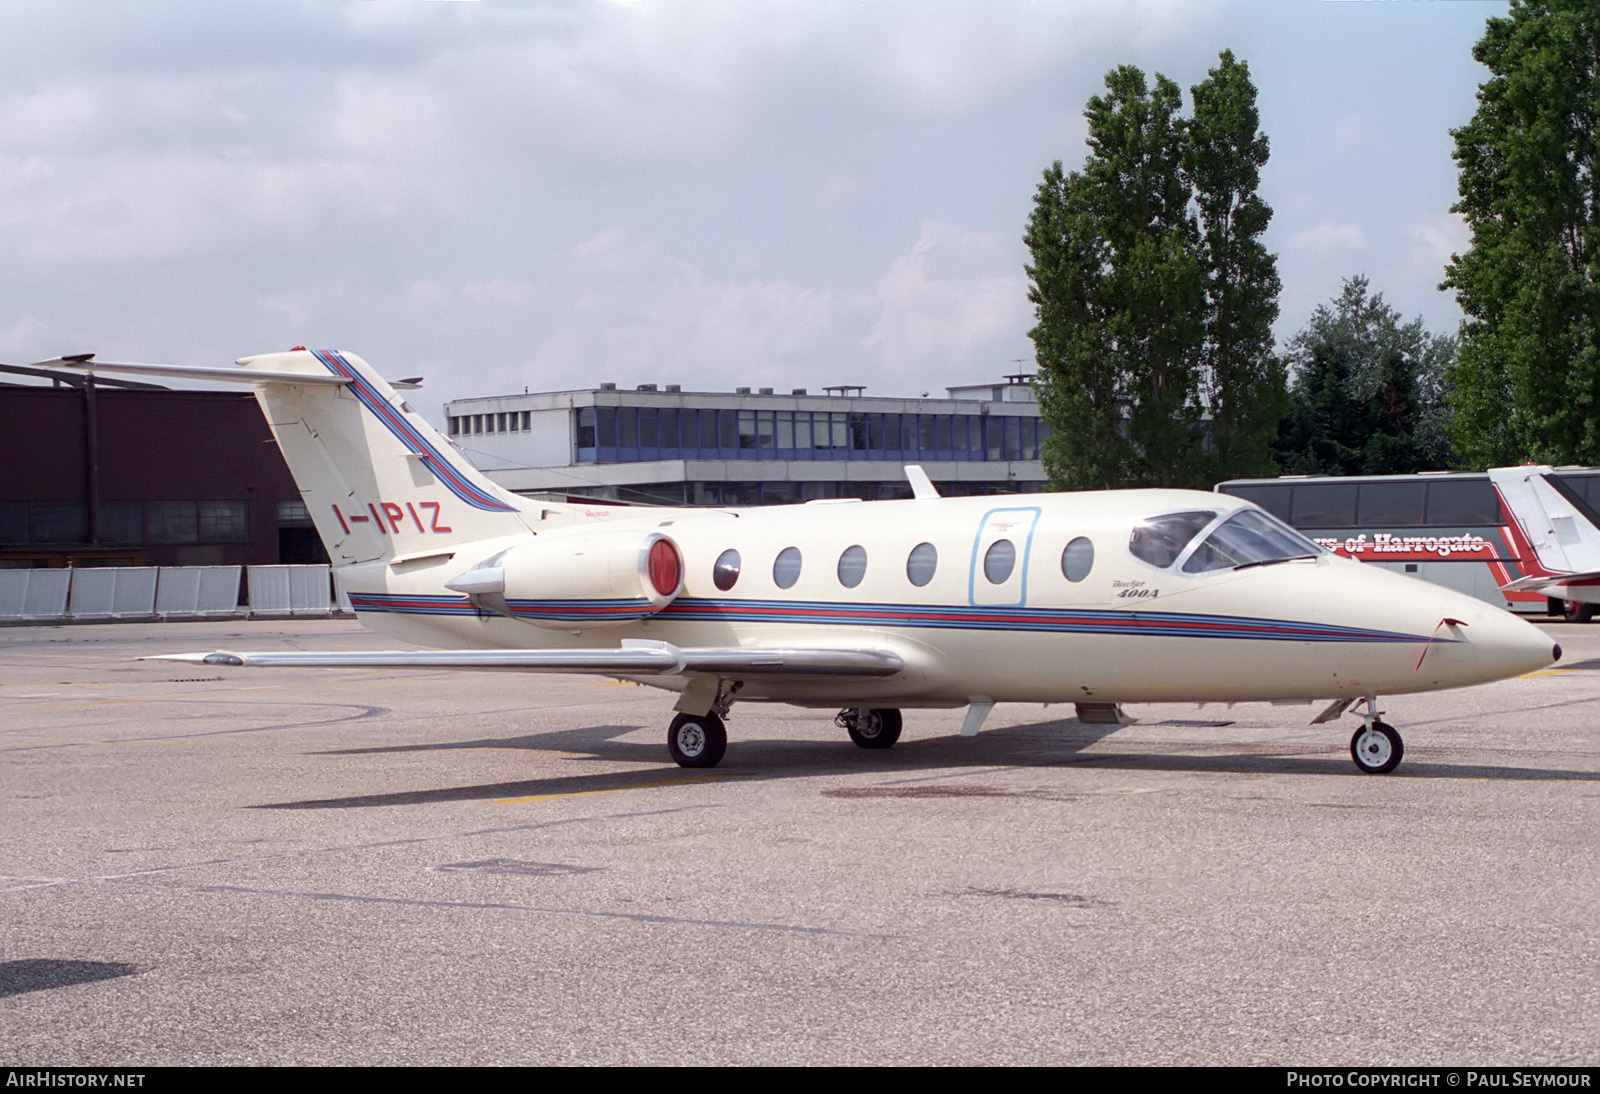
(1249, 537)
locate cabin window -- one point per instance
(786, 568)
(852, 566)
(999, 560)
(726, 570)
(1160, 540)
(1077, 559)
(921, 563)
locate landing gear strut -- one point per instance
(1376, 747)
(879, 728)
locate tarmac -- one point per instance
(291, 866)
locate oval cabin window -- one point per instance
(726, 571)
(852, 566)
(1077, 559)
(786, 568)
(921, 563)
(999, 560)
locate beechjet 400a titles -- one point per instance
(1096, 599)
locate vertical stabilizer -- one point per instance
(378, 480)
(1560, 527)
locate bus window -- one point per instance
(1324, 505)
(1273, 498)
(1585, 485)
(1463, 502)
(1393, 503)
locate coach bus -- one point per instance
(1444, 527)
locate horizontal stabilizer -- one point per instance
(197, 372)
(1536, 582)
(633, 658)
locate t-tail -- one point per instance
(380, 483)
(1559, 529)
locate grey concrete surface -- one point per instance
(214, 866)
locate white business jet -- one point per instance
(1096, 599)
(1557, 536)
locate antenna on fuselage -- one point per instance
(921, 486)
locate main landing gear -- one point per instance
(697, 740)
(1376, 747)
(700, 740)
(878, 728)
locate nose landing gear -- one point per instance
(1376, 747)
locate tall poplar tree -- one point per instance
(1242, 380)
(1153, 294)
(1526, 384)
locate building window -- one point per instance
(224, 521)
(172, 521)
(121, 522)
(13, 522)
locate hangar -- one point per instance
(101, 472)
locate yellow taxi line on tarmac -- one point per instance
(614, 789)
(330, 682)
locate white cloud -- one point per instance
(1328, 242)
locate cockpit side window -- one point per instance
(1160, 540)
(1249, 538)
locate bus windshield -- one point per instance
(1249, 538)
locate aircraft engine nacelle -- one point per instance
(578, 579)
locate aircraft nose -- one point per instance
(1507, 646)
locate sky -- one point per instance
(547, 194)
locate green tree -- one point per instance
(1153, 294)
(1526, 384)
(1242, 379)
(1366, 391)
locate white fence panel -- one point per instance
(290, 590)
(113, 592)
(197, 591)
(34, 594)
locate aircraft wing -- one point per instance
(632, 658)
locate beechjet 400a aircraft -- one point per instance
(1095, 599)
(1557, 535)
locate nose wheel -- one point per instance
(1377, 748)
